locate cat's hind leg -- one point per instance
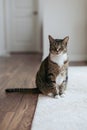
(50, 90)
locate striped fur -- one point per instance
(52, 76)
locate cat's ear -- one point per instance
(65, 40)
(51, 39)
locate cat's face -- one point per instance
(58, 46)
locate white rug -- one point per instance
(68, 113)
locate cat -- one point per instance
(52, 76)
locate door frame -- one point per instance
(7, 19)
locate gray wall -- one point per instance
(2, 32)
(66, 17)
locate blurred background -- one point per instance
(26, 24)
(24, 29)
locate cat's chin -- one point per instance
(57, 54)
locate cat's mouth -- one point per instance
(57, 52)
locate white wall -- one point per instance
(40, 22)
(66, 17)
(59, 18)
(2, 34)
(4, 26)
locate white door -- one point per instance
(23, 26)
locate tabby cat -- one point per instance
(52, 76)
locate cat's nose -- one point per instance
(57, 50)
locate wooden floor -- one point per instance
(17, 110)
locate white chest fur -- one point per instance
(60, 78)
(59, 59)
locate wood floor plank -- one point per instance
(17, 71)
(26, 121)
(7, 119)
(6, 99)
(17, 110)
(22, 118)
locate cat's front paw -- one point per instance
(62, 95)
(56, 96)
(50, 94)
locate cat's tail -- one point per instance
(23, 90)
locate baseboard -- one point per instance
(4, 53)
